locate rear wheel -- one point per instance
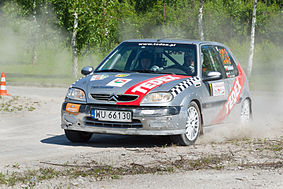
(193, 127)
(246, 111)
(78, 136)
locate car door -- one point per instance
(233, 79)
(216, 89)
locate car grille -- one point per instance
(118, 98)
(91, 122)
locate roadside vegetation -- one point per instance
(16, 104)
(35, 36)
(242, 154)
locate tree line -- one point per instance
(102, 24)
(94, 27)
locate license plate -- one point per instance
(108, 115)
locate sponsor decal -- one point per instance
(229, 68)
(158, 44)
(122, 75)
(118, 82)
(233, 97)
(144, 87)
(184, 85)
(230, 74)
(196, 82)
(73, 108)
(217, 89)
(225, 56)
(98, 77)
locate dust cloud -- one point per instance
(31, 48)
(267, 102)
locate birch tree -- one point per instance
(74, 47)
(250, 64)
(200, 16)
(34, 34)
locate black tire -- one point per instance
(78, 136)
(246, 111)
(193, 126)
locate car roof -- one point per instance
(180, 41)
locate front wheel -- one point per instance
(78, 136)
(193, 127)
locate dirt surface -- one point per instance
(34, 152)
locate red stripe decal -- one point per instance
(144, 87)
(233, 97)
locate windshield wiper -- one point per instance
(155, 72)
(160, 72)
(145, 71)
(139, 71)
(115, 70)
(110, 70)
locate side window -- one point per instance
(228, 62)
(210, 60)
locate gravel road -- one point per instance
(31, 139)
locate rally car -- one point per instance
(158, 87)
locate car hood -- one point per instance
(125, 88)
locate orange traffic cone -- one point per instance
(3, 90)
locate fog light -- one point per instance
(157, 124)
(147, 112)
(156, 112)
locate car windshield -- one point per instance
(147, 57)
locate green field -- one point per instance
(54, 66)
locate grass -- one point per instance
(100, 172)
(53, 66)
(16, 104)
(205, 162)
(271, 145)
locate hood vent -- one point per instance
(114, 97)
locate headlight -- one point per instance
(161, 97)
(76, 94)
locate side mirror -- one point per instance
(212, 76)
(87, 70)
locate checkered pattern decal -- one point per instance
(184, 85)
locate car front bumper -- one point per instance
(168, 120)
